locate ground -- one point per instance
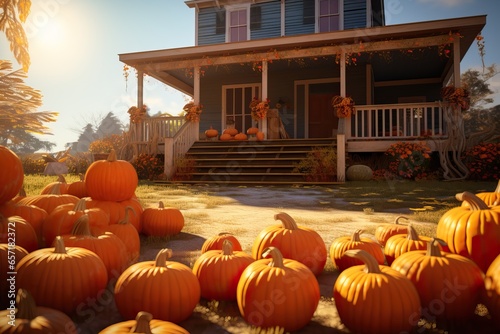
(244, 212)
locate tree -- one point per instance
(18, 107)
(12, 14)
(108, 126)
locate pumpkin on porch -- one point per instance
(240, 136)
(252, 131)
(12, 175)
(230, 131)
(260, 136)
(225, 137)
(144, 323)
(211, 133)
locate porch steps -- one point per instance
(252, 162)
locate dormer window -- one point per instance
(237, 19)
(328, 15)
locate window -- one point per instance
(238, 25)
(329, 15)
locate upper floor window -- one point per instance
(328, 15)
(238, 24)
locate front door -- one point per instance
(323, 122)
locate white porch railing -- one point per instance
(396, 121)
(177, 146)
(160, 127)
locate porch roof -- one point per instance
(167, 65)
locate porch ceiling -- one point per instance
(386, 48)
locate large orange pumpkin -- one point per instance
(34, 215)
(277, 292)
(10, 254)
(342, 244)
(30, 318)
(375, 299)
(223, 267)
(384, 232)
(129, 235)
(472, 231)
(144, 323)
(400, 243)
(12, 175)
(78, 188)
(111, 179)
(295, 242)
(168, 290)
(162, 221)
(66, 277)
(118, 210)
(490, 198)
(49, 201)
(491, 293)
(448, 284)
(16, 230)
(215, 242)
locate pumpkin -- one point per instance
(78, 188)
(384, 232)
(111, 179)
(144, 323)
(277, 292)
(110, 248)
(472, 231)
(34, 215)
(230, 131)
(295, 242)
(10, 254)
(252, 131)
(20, 195)
(12, 175)
(211, 133)
(117, 211)
(215, 242)
(373, 298)
(491, 293)
(167, 289)
(240, 136)
(30, 318)
(66, 277)
(49, 201)
(61, 181)
(162, 221)
(448, 284)
(61, 220)
(260, 136)
(224, 267)
(401, 243)
(129, 235)
(490, 198)
(16, 230)
(225, 137)
(342, 244)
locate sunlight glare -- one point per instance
(52, 34)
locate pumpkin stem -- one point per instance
(398, 218)
(161, 205)
(356, 236)
(22, 192)
(59, 247)
(287, 221)
(112, 156)
(277, 257)
(433, 247)
(497, 190)
(60, 178)
(371, 264)
(412, 233)
(55, 190)
(475, 202)
(26, 306)
(82, 227)
(142, 323)
(227, 247)
(81, 205)
(126, 218)
(162, 257)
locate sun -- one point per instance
(52, 34)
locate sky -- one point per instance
(74, 47)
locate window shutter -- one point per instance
(255, 17)
(220, 22)
(308, 12)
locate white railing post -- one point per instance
(169, 157)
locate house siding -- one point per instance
(294, 18)
(354, 14)
(270, 20)
(207, 32)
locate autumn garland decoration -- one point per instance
(456, 97)
(137, 114)
(193, 111)
(344, 106)
(259, 108)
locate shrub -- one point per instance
(409, 160)
(78, 163)
(106, 144)
(148, 166)
(319, 165)
(483, 161)
(33, 166)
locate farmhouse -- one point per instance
(299, 55)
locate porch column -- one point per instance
(263, 122)
(196, 97)
(456, 61)
(341, 144)
(140, 89)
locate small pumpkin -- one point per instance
(342, 244)
(128, 234)
(162, 221)
(401, 243)
(8, 253)
(230, 131)
(78, 188)
(30, 318)
(211, 133)
(116, 210)
(49, 201)
(373, 298)
(260, 136)
(225, 137)
(491, 293)
(15, 229)
(384, 232)
(295, 242)
(145, 324)
(277, 292)
(240, 136)
(111, 179)
(215, 242)
(61, 181)
(34, 215)
(12, 175)
(81, 273)
(472, 231)
(252, 131)
(167, 289)
(224, 267)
